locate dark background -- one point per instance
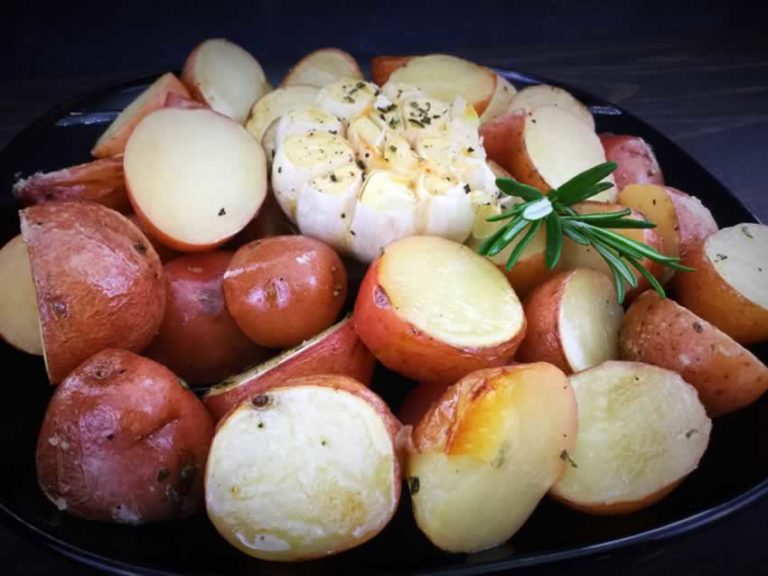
(696, 70)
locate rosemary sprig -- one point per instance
(554, 211)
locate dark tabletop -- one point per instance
(696, 71)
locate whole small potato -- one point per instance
(123, 441)
(198, 340)
(285, 289)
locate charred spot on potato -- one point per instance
(566, 457)
(261, 401)
(698, 328)
(140, 247)
(187, 476)
(414, 484)
(110, 436)
(60, 309)
(162, 474)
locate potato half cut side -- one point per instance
(487, 452)
(322, 67)
(19, 319)
(659, 331)
(304, 470)
(226, 77)
(642, 429)
(337, 350)
(532, 97)
(114, 138)
(272, 106)
(98, 280)
(573, 321)
(434, 311)
(636, 161)
(730, 285)
(194, 177)
(447, 77)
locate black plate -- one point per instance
(733, 473)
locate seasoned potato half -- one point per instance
(194, 177)
(19, 318)
(304, 470)
(98, 280)
(533, 97)
(114, 138)
(730, 285)
(642, 429)
(226, 77)
(123, 441)
(434, 310)
(337, 350)
(661, 332)
(573, 321)
(487, 452)
(636, 161)
(321, 68)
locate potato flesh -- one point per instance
(561, 145)
(654, 202)
(589, 320)
(544, 95)
(19, 319)
(323, 67)
(197, 177)
(310, 473)
(449, 292)
(641, 428)
(740, 255)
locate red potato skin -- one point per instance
(339, 352)
(123, 441)
(618, 508)
(542, 310)
(636, 161)
(166, 254)
(383, 66)
(695, 221)
(402, 347)
(174, 100)
(100, 181)
(99, 282)
(163, 86)
(198, 340)
(659, 331)
(285, 289)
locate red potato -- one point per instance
(114, 138)
(277, 103)
(194, 177)
(578, 256)
(19, 319)
(305, 470)
(636, 161)
(729, 287)
(99, 282)
(501, 100)
(284, 290)
(123, 441)
(434, 310)
(533, 97)
(225, 77)
(573, 321)
(174, 100)
(544, 147)
(659, 331)
(337, 350)
(642, 430)
(166, 254)
(383, 66)
(101, 181)
(321, 68)
(198, 340)
(487, 452)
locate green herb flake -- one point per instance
(565, 457)
(414, 485)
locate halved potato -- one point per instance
(445, 77)
(659, 331)
(544, 147)
(642, 429)
(730, 285)
(101, 181)
(532, 97)
(573, 321)
(272, 106)
(114, 138)
(304, 470)
(636, 161)
(501, 100)
(487, 452)
(226, 77)
(98, 280)
(434, 311)
(322, 67)
(19, 319)
(337, 350)
(194, 177)
(579, 256)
